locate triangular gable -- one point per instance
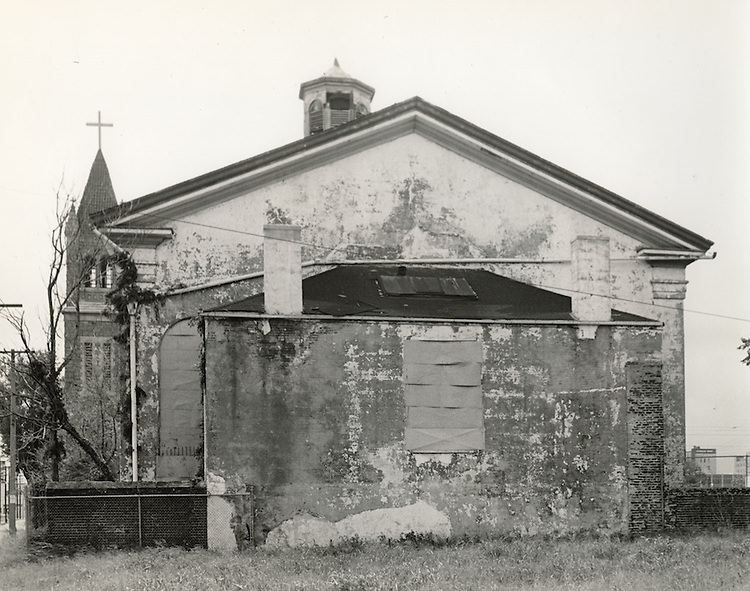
(412, 116)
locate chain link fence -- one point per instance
(138, 519)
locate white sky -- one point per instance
(648, 98)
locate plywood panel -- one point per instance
(461, 373)
(180, 402)
(420, 417)
(442, 352)
(445, 395)
(444, 440)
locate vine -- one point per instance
(125, 291)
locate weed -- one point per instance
(703, 562)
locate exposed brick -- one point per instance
(707, 508)
(645, 446)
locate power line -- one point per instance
(248, 233)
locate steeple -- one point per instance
(333, 99)
(99, 193)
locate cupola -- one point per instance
(334, 99)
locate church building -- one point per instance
(399, 307)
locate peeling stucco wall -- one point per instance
(406, 198)
(153, 322)
(311, 414)
(411, 196)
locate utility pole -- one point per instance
(12, 488)
(13, 444)
(132, 309)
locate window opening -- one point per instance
(361, 110)
(402, 285)
(443, 391)
(339, 101)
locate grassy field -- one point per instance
(710, 562)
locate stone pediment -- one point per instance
(412, 117)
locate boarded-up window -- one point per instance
(443, 388)
(180, 403)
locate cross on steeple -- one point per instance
(99, 124)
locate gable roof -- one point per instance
(411, 116)
(423, 292)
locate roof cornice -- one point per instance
(426, 320)
(412, 115)
(147, 237)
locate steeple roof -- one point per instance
(98, 193)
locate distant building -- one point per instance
(704, 458)
(707, 460)
(742, 467)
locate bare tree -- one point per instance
(44, 368)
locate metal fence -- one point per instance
(709, 470)
(5, 497)
(136, 519)
(5, 504)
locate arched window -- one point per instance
(89, 272)
(104, 274)
(98, 273)
(316, 116)
(180, 402)
(361, 110)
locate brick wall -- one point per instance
(699, 508)
(645, 446)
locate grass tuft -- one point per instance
(703, 562)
